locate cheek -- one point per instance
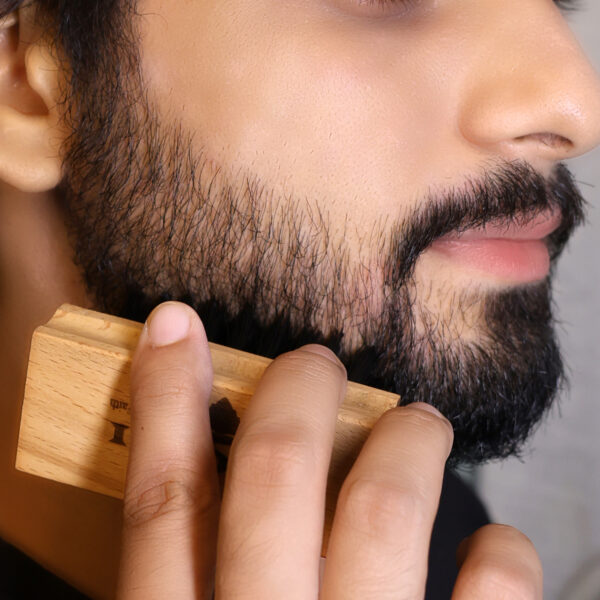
(316, 107)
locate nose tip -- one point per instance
(551, 115)
(576, 109)
(539, 98)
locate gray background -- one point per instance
(554, 495)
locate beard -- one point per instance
(151, 220)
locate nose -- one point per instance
(531, 93)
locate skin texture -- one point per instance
(273, 497)
(354, 105)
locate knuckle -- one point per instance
(163, 382)
(380, 509)
(170, 494)
(273, 460)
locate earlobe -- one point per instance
(30, 135)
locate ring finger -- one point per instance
(384, 516)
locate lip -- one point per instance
(536, 229)
(504, 250)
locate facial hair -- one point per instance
(149, 222)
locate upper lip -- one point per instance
(531, 229)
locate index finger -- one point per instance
(171, 503)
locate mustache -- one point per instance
(513, 192)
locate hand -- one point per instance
(268, 539)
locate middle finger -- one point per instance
(273, 505)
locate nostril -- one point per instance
(551, 140)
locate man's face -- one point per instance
(300, 170)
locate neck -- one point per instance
(70, 532)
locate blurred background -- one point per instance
(553, 496)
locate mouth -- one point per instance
(512, 251)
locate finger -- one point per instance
(384, 516)
(498, 562)
(171, 505)
(273, 504)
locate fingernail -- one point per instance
(431, 409)
(331, 356)
(325, 353)
(168, 323)
(427, 407)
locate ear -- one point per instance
(30, 134)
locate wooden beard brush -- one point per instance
(75, 423)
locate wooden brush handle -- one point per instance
(75, 423)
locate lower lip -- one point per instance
(516, 261)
